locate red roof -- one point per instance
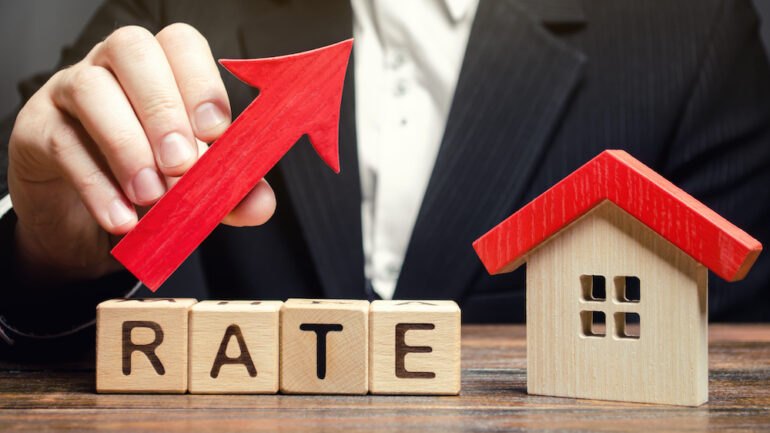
(617, 176)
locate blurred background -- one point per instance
(35, 30)
(34, 33)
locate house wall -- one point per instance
(666, 364)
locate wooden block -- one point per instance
(234, 347)
(324, 346)
(141, 345)
(414, 347)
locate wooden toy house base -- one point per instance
(579, 276)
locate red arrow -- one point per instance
(299, 94)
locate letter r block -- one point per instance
(414, 347)
(234, 347)
(141, 345)
(324, 346)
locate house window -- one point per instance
(627, 325)
(593, 323)
(593, 318)
(594, 288)
(627, 289)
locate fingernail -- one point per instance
(147, 185)
(174, 150)
(208, 116)
(119, 213)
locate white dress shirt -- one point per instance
(407, 58)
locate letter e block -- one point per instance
(414, 347)
(141, 345)
(324, 346)
(234, 347)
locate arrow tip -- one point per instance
(325, 137)
(329, 62)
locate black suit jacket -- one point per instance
(545, 86)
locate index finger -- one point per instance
(137, 60)
(198, 79)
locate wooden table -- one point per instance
(493, 398)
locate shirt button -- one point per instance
(397, 61)
(392, 270)
(400, 89)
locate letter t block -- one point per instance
(414, 347)
(324, 346)
(141, 345)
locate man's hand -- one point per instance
(107, 137)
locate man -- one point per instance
(455, 113)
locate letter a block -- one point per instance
(324, 346)
(234, 347)
(141, 345)
(414, 347)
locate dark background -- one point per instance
(35, 30)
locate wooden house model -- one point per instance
(617, 264)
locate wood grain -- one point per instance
(414, 347)
(299, 94)
(234, 347)
(667, 363)
(325, 346)
(44, 397)
(142, 345)
(617, 176)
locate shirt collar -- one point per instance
(459, 8)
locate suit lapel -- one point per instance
(516, 80)
(327, 206)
